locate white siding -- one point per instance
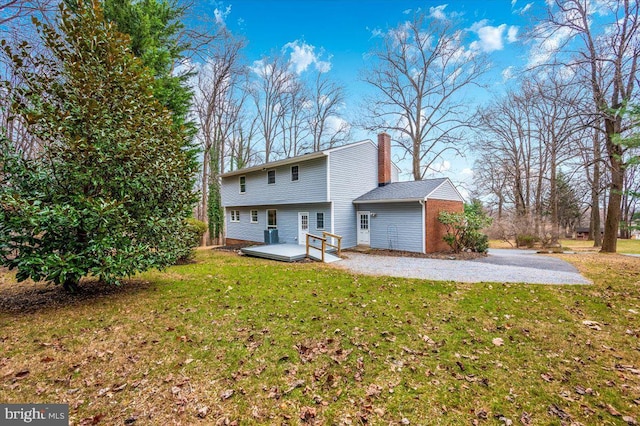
(397, 226)
(287, 217)
(310, 188)
(395, 173)
(446, 191)
(353, 172)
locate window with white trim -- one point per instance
(272, 218)
(254, 216)
(271, 177)
(235, 215)
(319, 220)
(295, 176)
(243, 184)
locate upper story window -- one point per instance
(294, 173)
(271, 177)
(243, 184)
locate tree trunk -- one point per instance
(594, 223)
(612, 221)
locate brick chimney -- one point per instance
(384, 159)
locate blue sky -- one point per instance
(337, 34)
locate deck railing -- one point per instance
(326, 241)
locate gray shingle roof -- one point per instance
(402, 191)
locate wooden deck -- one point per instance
(287, 253)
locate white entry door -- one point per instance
(364, 236)
(303, 227)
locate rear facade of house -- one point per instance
(319, 192)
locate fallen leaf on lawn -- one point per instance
(630, 420)
(307, 413)
(554, 410)
(294, 385)
(525, 418)
(374, 390)
(91, 420)
(226, 394)
(594, 325)
(203, 411)
(612, 410)
(120, 388)
(103, 391)
(547, 377)
(379, 411)
(22, 374)
(498, 341)
(46, 359)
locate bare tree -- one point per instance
(326, 100)
(217, 111)
(611, 63)
(295, 128)
(420, 70)
(557, 102)
(273, 81)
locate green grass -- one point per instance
(624, 246)
(262, 342)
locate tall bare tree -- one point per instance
(295, 122)
(327, 98)
(273, 81)
(217, 110)
(420, 71)
(610, 59)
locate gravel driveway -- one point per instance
(501, 265)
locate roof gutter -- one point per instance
(397, 200)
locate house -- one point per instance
(352, 191)
(585, 233)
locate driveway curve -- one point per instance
(501, 265)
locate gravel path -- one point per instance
(501, 265)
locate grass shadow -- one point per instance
(31, 297)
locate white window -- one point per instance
(271, 177)
(235, 215)
(295, 173)
(320, 220)
(272, 219)
(254, 216)
(243, 184)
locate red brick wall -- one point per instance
(434, 230)
(384, 159)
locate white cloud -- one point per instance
(438, 12)
(549, 42)
(407, 11)
(512, 34)
(221, 15)
(302, 55)
(467, 172)
(336, 124)
(513, 3)
(507, 74)
(526, 8)
(490, 38)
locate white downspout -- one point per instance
(424, 233)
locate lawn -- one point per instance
(234, 339)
